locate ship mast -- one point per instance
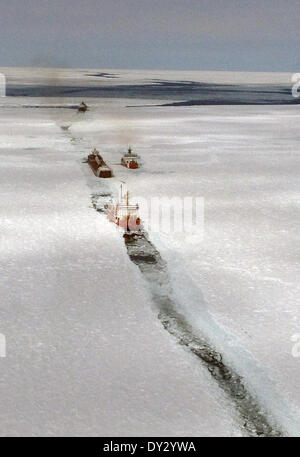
(128, 215)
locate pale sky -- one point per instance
(252, 35)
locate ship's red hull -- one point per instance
(132, 224)
(131, 165)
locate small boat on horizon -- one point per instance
(82, 108)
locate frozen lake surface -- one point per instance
(85, 351)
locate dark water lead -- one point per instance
(143, 253)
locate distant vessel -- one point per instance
(129, 160)
(125, 215)
(82, 107)
(97, 164)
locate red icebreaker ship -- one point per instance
(124, 214)
(129, 160)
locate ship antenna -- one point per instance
(127, 212)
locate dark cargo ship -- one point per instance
(97, 164)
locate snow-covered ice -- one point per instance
(86, 354)
(241, 283)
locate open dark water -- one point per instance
(154, 269)
(174, 93)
